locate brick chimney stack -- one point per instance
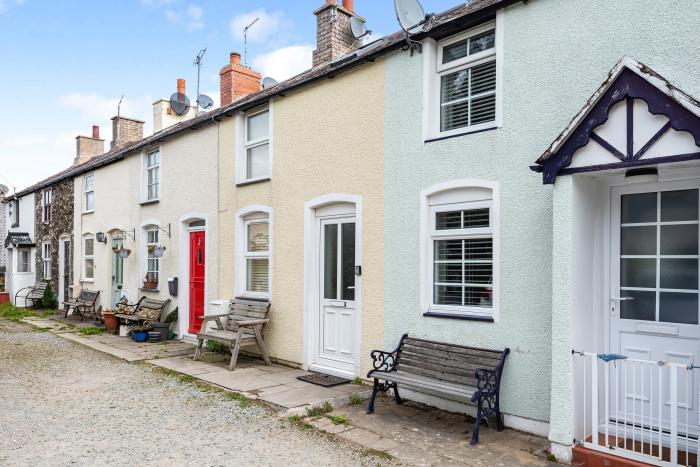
(333, 33)
(125, 130)
(87, 147)
(237, 81)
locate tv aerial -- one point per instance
(358, 28)
(203, 101)
(410, 14)
(3, 189)
(268, 82)
(245, 40)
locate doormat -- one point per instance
(324, 380)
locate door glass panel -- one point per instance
(679, 274)
(641, 307)
(675, 307)
(679, 239)
(640, 207)
(638, 272)
(348, 261)
(681, 205)
(638, 240)
(330, 261)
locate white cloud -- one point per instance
(285, 62)
(192, 17)
(7, 5)
(275, 22)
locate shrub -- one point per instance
(356, 399)
(339, 419)
(48, 301)
(217, 347)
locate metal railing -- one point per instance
(638, 409)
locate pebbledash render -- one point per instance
(544, 288)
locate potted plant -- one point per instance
(150, 281)
(139, 332)
(111, 321)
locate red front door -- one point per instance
(197, 259)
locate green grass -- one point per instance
(339, 419)
(91, 331)
(242, 400)
(13, 313)
(216, 347)
(357, 380)
(319, 410)
(299, 422)
(356, 399)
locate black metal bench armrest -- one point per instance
(487, 384)
(382, 361)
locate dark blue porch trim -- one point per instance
(628, 85)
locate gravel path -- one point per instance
(64, 404)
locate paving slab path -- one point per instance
(64, 404)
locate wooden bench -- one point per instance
(466, 374)
(85, 303)
(33, 293)
(242, 325)
(145, 310)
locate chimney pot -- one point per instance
(235, 58)
(348, 5)
(181, 86)
(95, 132)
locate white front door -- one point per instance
(335, 323)
(654, 296)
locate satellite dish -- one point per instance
(3, 189)
(180, 103)
(205, 102)
(268, 82)
(410, 13)
(358, 28)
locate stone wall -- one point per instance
(61, 224)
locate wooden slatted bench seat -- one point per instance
(466, 374)
(242, 325)
(33, 293)
(85, 303)
(146, 310)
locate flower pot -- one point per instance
(152, 285)
(139, 336)
(111, 322)
(123, 330)
(4, 297)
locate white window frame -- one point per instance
(88, 191)
(147, 255)
(28, 263)
(434, 69)
(46, 260)
(245, 217)
(242, 145)
(147, 169)
(14, 213)
(453, 196)
(46, 203)
(87, 258)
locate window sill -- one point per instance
(89, 281)
(148, 290)
(88, 212)
(466, 131)
(254, 298)
(464, 317)
(150, 201)
(253, 181)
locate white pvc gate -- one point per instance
(638, 409)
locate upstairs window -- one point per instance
(463, 86)
(46, 259)
(13, 209)
(152, 170)
(257, 145)
(89, 258)
(89, 192)
(46, 198)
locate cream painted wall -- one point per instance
(188, 192)
(327, 138)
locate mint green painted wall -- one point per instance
(556, 54)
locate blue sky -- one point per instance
(65, 64)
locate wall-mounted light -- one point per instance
(101, 237)
(642, 175)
